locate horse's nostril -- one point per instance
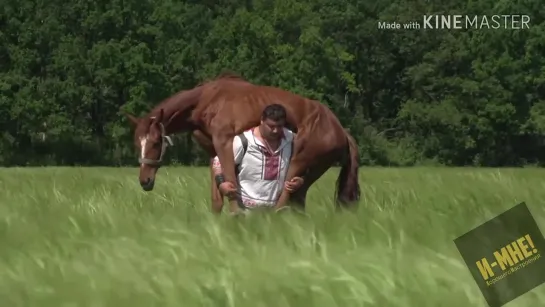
(145, 182)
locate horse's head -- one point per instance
(151, 141)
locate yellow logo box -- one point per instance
(504, 255)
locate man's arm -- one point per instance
(237, 152)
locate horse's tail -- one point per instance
(348, 186)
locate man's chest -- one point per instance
(260, 164)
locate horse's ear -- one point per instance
(133, 119)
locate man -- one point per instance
(262, 156)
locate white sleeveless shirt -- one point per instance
(262, 175)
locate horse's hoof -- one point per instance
(283, 209)
(239, 213)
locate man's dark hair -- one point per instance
(274, 112)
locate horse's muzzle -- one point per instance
(147, 185)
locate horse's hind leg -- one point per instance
(298, 198)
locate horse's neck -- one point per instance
(177, 111)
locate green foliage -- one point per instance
(453, 97)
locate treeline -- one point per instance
(452, 97)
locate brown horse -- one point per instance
(216, 111)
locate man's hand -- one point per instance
(227, 189)
(294, 184)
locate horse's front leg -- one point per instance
(206, 143)
(224, 150)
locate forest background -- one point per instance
(410, 97)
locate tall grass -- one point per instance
(92, 237)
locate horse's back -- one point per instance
(241, 102)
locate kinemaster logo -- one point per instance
(476, 22)
(460, 22)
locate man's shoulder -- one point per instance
(244, 139)
(289, 135)
(247, 134)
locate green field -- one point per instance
(92, 237)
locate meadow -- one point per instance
(92, 237)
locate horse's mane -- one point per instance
(229, 75)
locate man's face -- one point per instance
(272, 130)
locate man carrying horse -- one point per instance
(216, 111)
(262, 156)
